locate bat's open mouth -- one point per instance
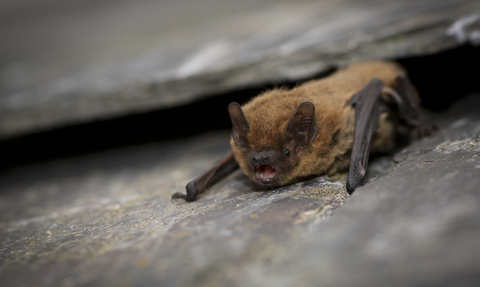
(266, 174)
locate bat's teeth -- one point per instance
(266, 173)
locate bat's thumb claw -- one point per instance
(350, 188)
(178, 195)
(354, 181)
(190, 196)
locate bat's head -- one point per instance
(270, 155)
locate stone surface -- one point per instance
(67, 63)
(106, 219)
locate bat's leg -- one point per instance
(367, 113)
(409, 109)
(219, 171)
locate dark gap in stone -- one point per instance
(202, 116)
(439, 78)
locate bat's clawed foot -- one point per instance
(422, 131)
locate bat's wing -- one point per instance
(367, 103)
(219, 171)
(403, 102)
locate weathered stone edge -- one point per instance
(80, 106)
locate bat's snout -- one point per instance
(266, 174)
(264, 166)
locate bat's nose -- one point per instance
(261, 157)
(257, 159)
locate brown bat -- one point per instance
(320, 127)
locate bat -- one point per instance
(320, 127)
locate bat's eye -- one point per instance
(287, 152)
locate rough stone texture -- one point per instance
(107, 220)
(72, 62)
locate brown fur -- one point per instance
(269, 113)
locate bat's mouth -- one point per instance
(266, 174)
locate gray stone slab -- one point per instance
(106, 219)
(80, 61)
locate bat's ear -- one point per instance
(301, 126)
(240, 124)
